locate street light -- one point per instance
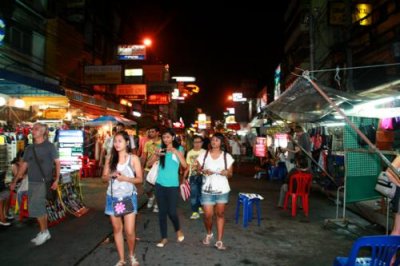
(147, 42)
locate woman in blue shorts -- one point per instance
(122, 171)
(216, 165)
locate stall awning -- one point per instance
(16, 84)
(302, 103)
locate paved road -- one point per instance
(280, 240)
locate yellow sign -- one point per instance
(362, 13)
(58, 113)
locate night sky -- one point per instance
(219, 46)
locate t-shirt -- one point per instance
(191, 160)
(215, 183)
(46, 154)
(150, 148)
(168, 175)
(235, 147)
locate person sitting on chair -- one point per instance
(301, 166)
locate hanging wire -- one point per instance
(356, 67)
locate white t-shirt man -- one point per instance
(215, 183)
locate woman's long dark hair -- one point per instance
(114, 154)
(175, 144)
(221, 137)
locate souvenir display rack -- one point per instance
(71, 194)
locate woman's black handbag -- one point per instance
(121, 206)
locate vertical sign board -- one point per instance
(261, 147)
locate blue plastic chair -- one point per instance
(248, 201)
(382, 249)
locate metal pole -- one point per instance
(311, 36)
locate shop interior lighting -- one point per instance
(19, 103)
(3, 101)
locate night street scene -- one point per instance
(199, 133)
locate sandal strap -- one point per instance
(220, 245)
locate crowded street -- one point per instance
(279, 240)
(183, 133)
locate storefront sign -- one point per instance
(131, 52)
(158, 99)
(132, 91)
(111, 74)
(56, 113)
(261, 147)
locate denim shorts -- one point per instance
(212, 199)
(109, 209)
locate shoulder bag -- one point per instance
(152, 174)
(51, 194)
(385, 186)
(122, 206)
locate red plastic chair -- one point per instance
(23, 209)
(299, 187)
(86, 170)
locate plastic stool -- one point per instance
(23, 209)
(248, 200)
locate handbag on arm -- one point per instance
(51, 194)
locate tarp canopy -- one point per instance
(302, 103)
(107, 119)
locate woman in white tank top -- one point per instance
(122, 171)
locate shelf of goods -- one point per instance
(69, 199)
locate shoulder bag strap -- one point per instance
(38, 164)
(226, 165)
(204, 159)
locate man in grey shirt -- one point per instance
(47, 157)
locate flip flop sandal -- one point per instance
(207, 239)
(219, 245)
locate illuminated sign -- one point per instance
(131, 52)
(132, 91)
(238, 97)
(133, 72)
(362, 14)
(158, 99)
(261, 147)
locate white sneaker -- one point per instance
(150, 203)
(42, 238)
(33, 240)
(195, 216)
(201, 210)
(155, 209)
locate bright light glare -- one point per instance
(137, 114)
(19, 103)
(147, 42)
(184, 79)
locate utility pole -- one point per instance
(349, 51)
(311, 36)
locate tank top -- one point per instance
(123, 189)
